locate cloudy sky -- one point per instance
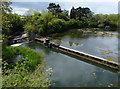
(96, 6)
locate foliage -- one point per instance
(5, 6)
(12, 23)
(80, 13)
(106, 20)
(6, 25)
(47, 23)
(5, 41)
(55, 20)
(119, 73)
(72, 23)
(54, 8)
(27, 72)
(64, 15)
(47, 17)
(56, 25)
(9, 54)
(28, 27)
(19, 76)
(1, 78)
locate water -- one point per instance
(71, 72)
(17, 58)
(95, 44)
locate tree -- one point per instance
(72, 13)
(56, 25)
(47, 17)
(5, 6)
(6, 25)
(106, 20)
(54, 8)
(80, 13)
(64, 15)
(29, 27)
(12, 24)
(113, 20)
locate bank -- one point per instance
(28, 70)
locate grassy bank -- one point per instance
(28, 71)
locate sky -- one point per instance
(96, 6)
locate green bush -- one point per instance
(19, 76)
(56, 25)
(29, 56)
(27, 72)
(72, 23)
(101, 25)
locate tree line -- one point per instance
(54, 20)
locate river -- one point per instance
(72, 72)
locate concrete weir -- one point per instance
(94, 59)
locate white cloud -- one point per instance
(65, 1)
(96, 7)
(19, 10)
(105, 10)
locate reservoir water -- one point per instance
(72, 72)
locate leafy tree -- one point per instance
(54, 8)
(5, 6)
(80, 13)
(29, 27)
(64, 15)
(56, 25)
(113, 20)
(38, 23)
(12, 24)
(73, 13)
(6, 25)
(72, 23)
(106, 20)
(47, 17)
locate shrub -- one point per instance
(27, 72)
(72, 23)
(56, 25)
(29, 56)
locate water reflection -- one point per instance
(38, 47)
(70, 72)
(95, 44)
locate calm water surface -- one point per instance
(71, 72)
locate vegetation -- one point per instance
(55, 20)
(27, 71)
(33, 59)
(12, 24)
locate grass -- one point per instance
(27, 72)
(30, 57)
